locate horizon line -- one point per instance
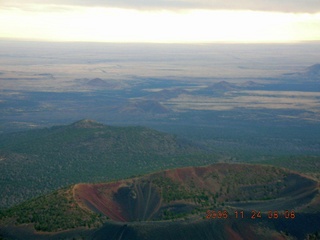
(2, 39)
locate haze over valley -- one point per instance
(230, 93)
(171, 130)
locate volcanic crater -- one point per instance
(182, 192)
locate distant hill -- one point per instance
(251, 85)
(144, 107)
(222, 86)
(218, 88)
(98, 83)
(220, 201)
(38, 161)
(167, 94)
(313, 71)
(310, 73)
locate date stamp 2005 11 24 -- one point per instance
(253, 214)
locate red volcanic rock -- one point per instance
(181, 190)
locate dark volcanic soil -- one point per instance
(173, 204)
(240, 186)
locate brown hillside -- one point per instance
(179, 192)
(174, 204)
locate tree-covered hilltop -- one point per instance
(38, 161)
(56, 211)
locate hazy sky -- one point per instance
(161, 20)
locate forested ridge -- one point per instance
(36, 162)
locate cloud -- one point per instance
(297, 6)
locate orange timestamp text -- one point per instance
(253, 214)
